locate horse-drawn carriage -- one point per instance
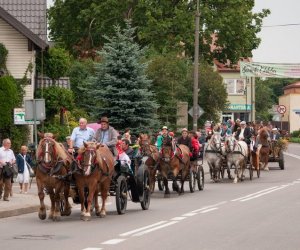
(276, 152)
(94, 172)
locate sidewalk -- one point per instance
(20, 204)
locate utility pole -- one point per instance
(196, 70)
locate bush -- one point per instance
(295, 133)
(294, 139)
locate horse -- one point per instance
(53, 164)
(151, 151)
(95, 166)
(264, 151)
(174, 161)
(237, 155)
(213, 153)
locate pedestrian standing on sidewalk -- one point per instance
(23, 160)
(6, 157)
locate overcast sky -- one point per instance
(279, 43)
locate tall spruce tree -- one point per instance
(120, 87)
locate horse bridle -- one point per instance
(215, 146)
(92, 161)
(47, 164)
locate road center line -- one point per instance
(206, 207)
(292, 155)
(113, 241)
(142, 228)
(189, 214)
(178, 218)
(256, 196)
(246, 196)
(209, 210)
(156, 228)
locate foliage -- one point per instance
(56, 62)
(78, 73)
(3, 56)
(79, 25)
(294, 139)
(212, 93)
(56, 99)
(10, 99)
(295, 133)
(120, 88)
(171, 76)
(264, 99)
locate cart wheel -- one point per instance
(250, 171)
(160, 183)
(61, 205)
(192, 180)
(258, 171)
(281, 160)
(200, 177)
(145, 199)
(121, 194)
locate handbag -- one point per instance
(7, 171)
(31, 172)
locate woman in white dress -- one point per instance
(23, 173)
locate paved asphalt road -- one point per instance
(260, 214)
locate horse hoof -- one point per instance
(67, 212)
(56, 218)
(167, 195)
(42, 216)
(102, 215)
(86, 218)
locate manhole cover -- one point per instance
(34, 237)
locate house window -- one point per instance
(235, 86)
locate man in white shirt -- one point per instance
(6, 156)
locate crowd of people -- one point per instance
(121, 145)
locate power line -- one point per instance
(281, 25)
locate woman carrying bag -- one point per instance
(25, 171)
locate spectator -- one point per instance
(126, 148)
(6, 157)
(23, 158)
(185, 139)
(127, 135)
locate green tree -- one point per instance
(3, 58)
(57, 101)
(172, 82)
(56, 63)
(79, 25)
(120, 87)
(264, 99)
(212, 95)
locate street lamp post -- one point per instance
(196, 70)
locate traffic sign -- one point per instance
(200, 111)
(281, 109)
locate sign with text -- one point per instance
(239, 107)
(252, 69)
(19, 117)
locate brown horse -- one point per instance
(264, 150)
(152, 152)
(174, 161)
(53, 164)
(95, 169)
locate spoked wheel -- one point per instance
(192, 180)
(200, 177)
(121, 194)
(145, 198)
(281, 160)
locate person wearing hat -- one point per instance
(80, 134)
(160, 138)
(236, 125)
(225, 130)
(107, 135)
(243, 133)
(185, 139)
(274, 135)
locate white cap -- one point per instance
(243, 123)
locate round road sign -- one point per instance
(281, 109)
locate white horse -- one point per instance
(237, 154)
(213, 154)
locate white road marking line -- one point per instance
(142, 228)
(113, 241)
(92, 248)
(156, 228)
(292, 155)
(209, 210)
(256, 196)
(206, 207)
(264, 190)
(189, 214)
(178, 218)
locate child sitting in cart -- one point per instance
(196, 146)
(122, 157)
